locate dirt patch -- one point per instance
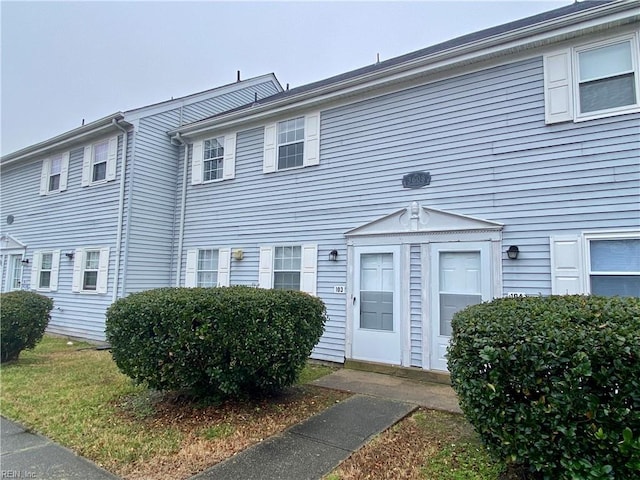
(212, 433)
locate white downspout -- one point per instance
(123, 166)
(183, 206)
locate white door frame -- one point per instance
(393, 339)
(14, 261)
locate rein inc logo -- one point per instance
(17, 474)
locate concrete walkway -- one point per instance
(27, 455)
(308, 450)
(436, 396)
(313, 448)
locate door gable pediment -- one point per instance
(418, 219)
(9, 243)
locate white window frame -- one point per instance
(47, 173)
(311, 143)
(633, 41)
(223, 268)
(228, 140)
(88, 162)
(562, 82)
(590, 237)
(79, 269)
(308, 268)
(37, 270)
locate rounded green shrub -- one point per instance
(24, 316)
(223, 342)
(552, 384)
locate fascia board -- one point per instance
(67, 139)
(511, 42)
(153, 109)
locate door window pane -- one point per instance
(460, 285)
(376, 291)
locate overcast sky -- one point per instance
(63, 62)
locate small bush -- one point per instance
(224, 342)
(553, 384)
(24, 316)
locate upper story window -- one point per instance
(592, 81)
(292, 143)
(99, 162)
(214, 159)
(606, 77)
(208, 267)
(54, 174)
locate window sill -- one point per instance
(607, 113)
(280, 170)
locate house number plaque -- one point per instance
(416, 179)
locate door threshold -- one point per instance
(411, 373)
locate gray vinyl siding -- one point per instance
(155, 170)
(76, 218)
(482, 137)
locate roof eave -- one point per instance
(66, 139)
(492, 46)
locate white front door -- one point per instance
(460, 276)
(376, 305)
(14, 273)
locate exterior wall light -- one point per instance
(24, 260)
(333, 256)
(238, 254)
(512, 252)
(69, 255)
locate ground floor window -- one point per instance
(614, 267)
(286, 268)
(207, 273)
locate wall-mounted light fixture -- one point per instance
(237, 254)
(512, 252)
(333, 256)
(69, 255)
(24, 260)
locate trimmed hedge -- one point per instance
(552, 384)
(24, 316)
(223, 342)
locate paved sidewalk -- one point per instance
(27, 455)
(313, 448)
